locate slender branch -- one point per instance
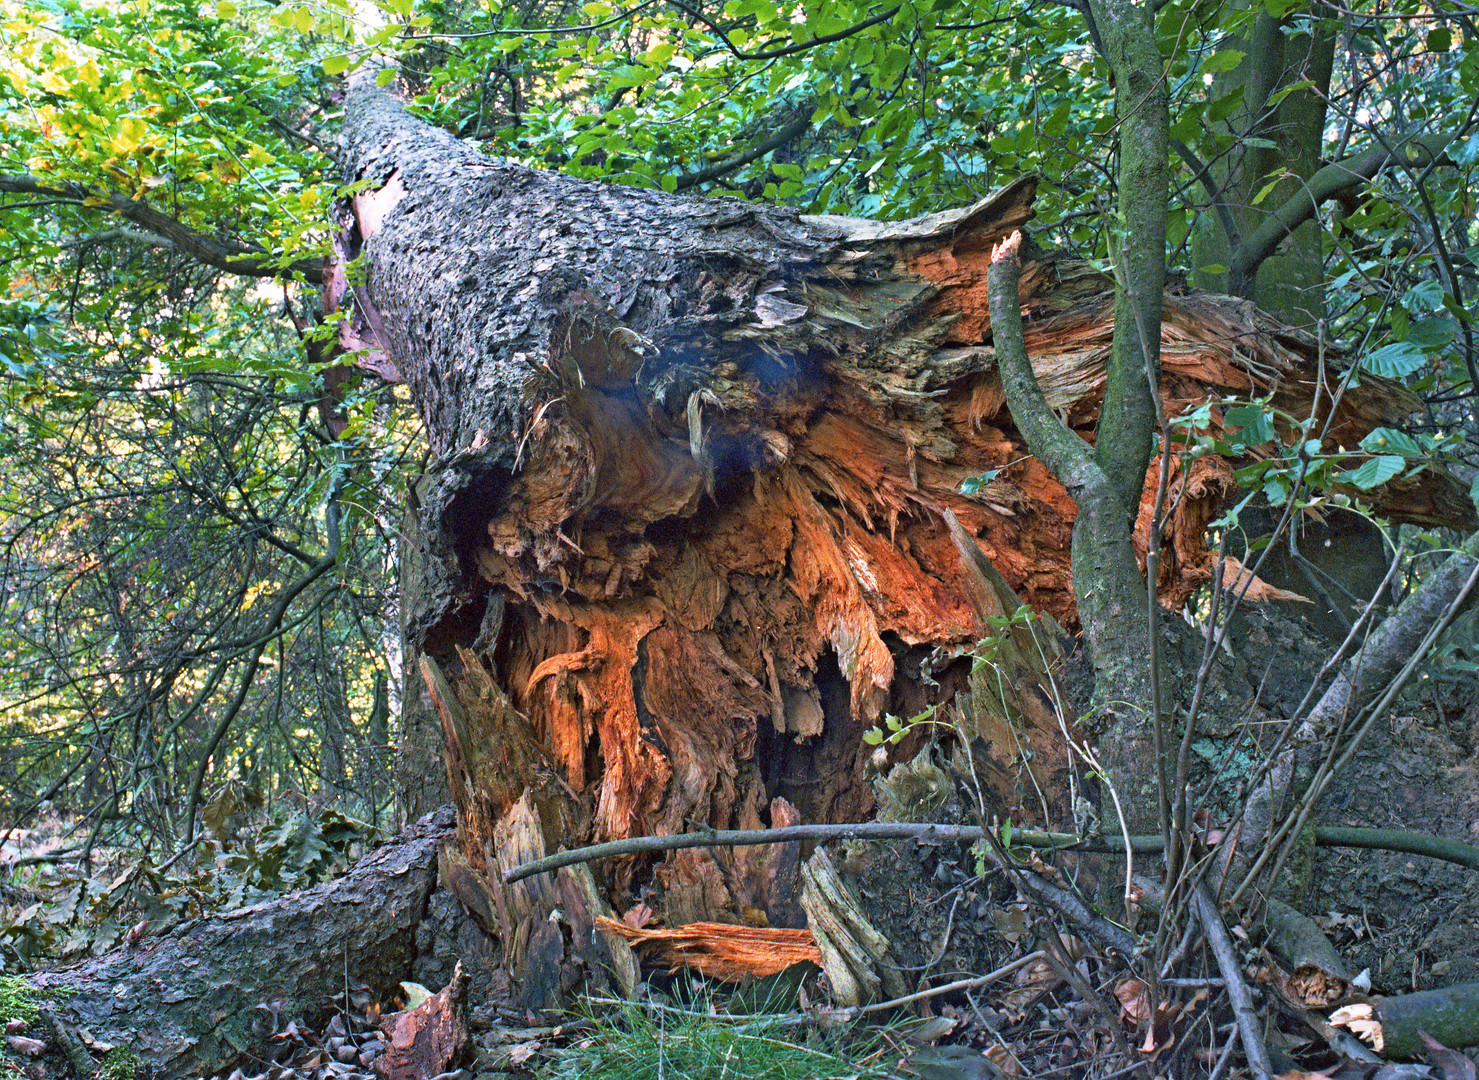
(273, 618)
(1434, 847)
(876, 830)
(1385, 839)
(786, 50)
(1237, 990)
(949, 988)
(1054, 443)
(739, 161)
(1204, 177)
(233, 257)
(1333, 179)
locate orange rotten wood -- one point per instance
(720, 950)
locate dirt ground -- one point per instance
(1413, 921)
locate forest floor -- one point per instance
(1411, 922)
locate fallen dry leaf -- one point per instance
(1452, 1064)
(1134, 999)
(524, 1051)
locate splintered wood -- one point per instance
(714, 571)
(719, 950)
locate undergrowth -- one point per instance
(79, 914)
(672, 1044)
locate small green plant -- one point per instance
(894, 729)
(120, 1064)
(637, 1044)
(18, 1001)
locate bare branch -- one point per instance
(739, 161)
(233, 257)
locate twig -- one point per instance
(877, 830)
(963, 984)
(1237, 991)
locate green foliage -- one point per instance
(17, 1000)
(121, 1063)
(89, 914)
(893, 730)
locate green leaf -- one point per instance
(1263, 192)
(336, 65)
(385, 77)
(1391, 441)
(1373, 473)
(1424, 296)
(1225, 106)
(1431, 334)
(1222, 61)
(1393, 361)
(1255, 425)
(1280, 95)
(1440, 39)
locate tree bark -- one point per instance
(187, 1002)
(687, 535)
(1286, 138)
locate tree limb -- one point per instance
(1433, 847)
(231, 256)
(785, 50)
(1203, 175)
(1333, 179)
(877, 830)
(722, 168)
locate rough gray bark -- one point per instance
(186, 1001)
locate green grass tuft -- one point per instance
(681, 1045)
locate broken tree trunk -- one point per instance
(687, 535)
(192, 1002)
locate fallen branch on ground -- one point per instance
(1433, 847)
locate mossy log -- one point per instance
(192, 1001)
(1393, 1025)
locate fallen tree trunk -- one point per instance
(187, 1001)
(1394, 1026)
(688, 531)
